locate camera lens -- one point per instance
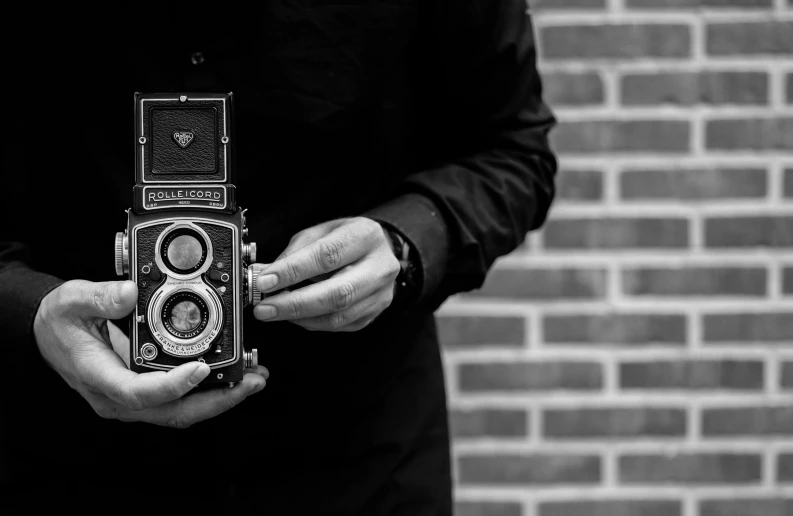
(183, 251)
(184, 315)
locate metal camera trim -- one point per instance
(236, 278)
(171, 273)
(143, 144)
(175, 346)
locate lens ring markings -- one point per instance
(183, 250)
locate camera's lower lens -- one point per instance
(184, 315)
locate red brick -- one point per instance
(788, 182)
(768, 134)
(612, 508)
(617, 422)
(786, 375)
(747, 507)
(784, 468)
(622, 136)
(573, 89)
(546, 284)
(698, 4)
(609, 41)
(695, 88)
(580, 185)
(697, 375)
(536, 469)
(748, 327)
(748, 421)
(690, 468)
(751, 231)
(616, 233)
(750, 38)
(470, 331)
(615, 328)
(552, 5)
(694, 184)
(488, 509)
(530, 376)
(488, 423)
(695, 281)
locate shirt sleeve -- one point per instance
(21, 292)
(488, 173)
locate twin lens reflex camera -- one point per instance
(183, 245)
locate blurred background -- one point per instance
(635, 357)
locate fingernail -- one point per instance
(259, 387)
(201, 371)
(267, 282)
(265, 312)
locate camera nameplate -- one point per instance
(161, 197)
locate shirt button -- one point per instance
(197, 58)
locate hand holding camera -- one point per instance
(73, 335)
(351, 267)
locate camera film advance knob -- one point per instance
(122, 253)
(249, 252)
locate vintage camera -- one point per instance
(183, 244)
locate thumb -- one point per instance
(104, 300)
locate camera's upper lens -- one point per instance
(183, 251)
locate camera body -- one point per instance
(183, 245)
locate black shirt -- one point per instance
(426, 116)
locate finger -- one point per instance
(103, 371)
(340, 321)
(336, 294)
(309, 235)
(104, 300)
(342, 246)
(119, 341)
(205, 404)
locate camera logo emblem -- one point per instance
(183, 138)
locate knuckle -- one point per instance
(342, 296)
(135, 401)
(292, 271)
(335, 321)
(178, 421)
(294, 308)
(330, 255)
(106, 412)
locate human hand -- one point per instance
(73, 334)
(352, 268)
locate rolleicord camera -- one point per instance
(183, 245)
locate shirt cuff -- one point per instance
(418, 220)
(21, 292)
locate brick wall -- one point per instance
(636, 356)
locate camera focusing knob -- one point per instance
(122, 253)
(254, 296)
